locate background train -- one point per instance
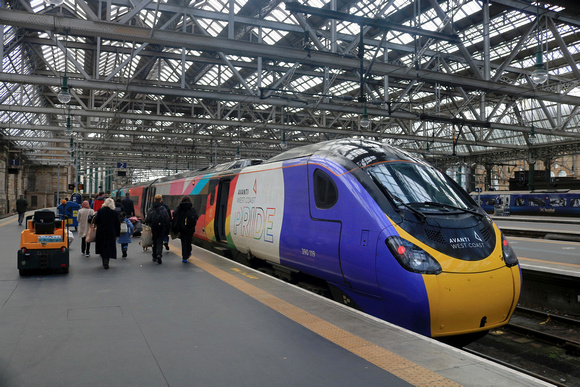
(381, 230)
(561, 203)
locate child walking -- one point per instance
(126, 232)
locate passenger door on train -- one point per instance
(322, 233)
(210, 210)
(221, 209)
(149, 194)
(344, 227)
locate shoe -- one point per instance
(154, 259)
(185, 261)
(87, 255)
(124, 254)
(106, 266)
(82, 253)
(166, 246)
(159, 261)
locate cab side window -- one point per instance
(325, 191)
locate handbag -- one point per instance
(91, 234)
(146, 237)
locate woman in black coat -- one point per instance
(108, 230)
(184, 220)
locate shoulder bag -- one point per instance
(92, 233)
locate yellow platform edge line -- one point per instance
(397, 365)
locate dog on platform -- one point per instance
(145, 248)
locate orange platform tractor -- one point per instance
(43, 244)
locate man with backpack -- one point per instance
(158, 218)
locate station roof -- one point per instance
(178, 85)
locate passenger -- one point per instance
(84, 218)
(166, 237)
(128, 206)
(118, 206)
(99, 200)
(62, 208)
(21, 206)
(159, 219)
(183, 224)
(108, 230)
(126, 232)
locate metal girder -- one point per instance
(381, 24)
(278, 126)
(540, 152)
(211, 119)
(206, 43)
(529, 8)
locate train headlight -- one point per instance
(509, 256)
(412, 257)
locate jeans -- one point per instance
(21, 217)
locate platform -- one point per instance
(210, 322)
(545, 227)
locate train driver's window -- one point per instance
(325, 191)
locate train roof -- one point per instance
(362, 152)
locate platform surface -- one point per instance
(210, 322)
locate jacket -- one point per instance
(164, 230)
(83, 220)
(184, 218)
(126, 237)
(98, 203)
(108, 230)
(21, 205)
(128, 207)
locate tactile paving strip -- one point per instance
(382, 358)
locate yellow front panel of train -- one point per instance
(471, 302)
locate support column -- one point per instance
(531, 164)
(488, 171)
(472, 178)
(548, 161)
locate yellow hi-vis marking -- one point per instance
(382, 358)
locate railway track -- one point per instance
(540, 344)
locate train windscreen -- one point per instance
(416, 184)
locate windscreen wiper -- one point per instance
(395, 199)
(452, 207)
(422, 217)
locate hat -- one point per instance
(63, 201)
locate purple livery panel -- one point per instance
(347, 248)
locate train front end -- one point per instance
(464, 292)
(443, 266)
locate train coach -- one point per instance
(550, 203)
(385, 232)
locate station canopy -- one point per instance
(178, 85)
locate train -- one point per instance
(550, 203)
(376, 227)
